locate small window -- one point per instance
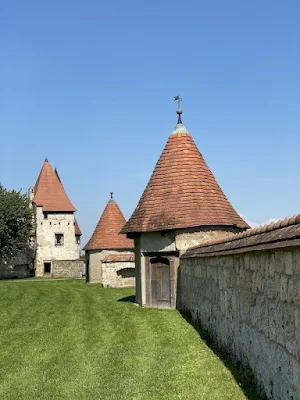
(45, 215)
(59, 239)
(77, 239)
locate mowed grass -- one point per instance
(63, 339)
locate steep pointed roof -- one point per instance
(107, 232)
(182, 191)
(77, 229)
(49, 191)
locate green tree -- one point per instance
(15, 222)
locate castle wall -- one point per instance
(95, 267)
(118, 274)
(46, 228)
(68, 268)
(170, 241)
(250, 305)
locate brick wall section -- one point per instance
(68, 268)
(250, 305)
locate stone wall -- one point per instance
(47, 225)
(250, 305)
(68, 268)
(21, 266)
(93, 266)
(118, 274)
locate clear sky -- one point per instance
(90, 85)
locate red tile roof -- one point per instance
(121, 257)
(77, 229)
(182, 192)
(280, 234)
(107, 233)
(49, 191)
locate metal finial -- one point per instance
(46, 159)
(111, 195)
(179, 110)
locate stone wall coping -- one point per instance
(283, 233)
(121, 257)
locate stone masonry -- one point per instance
(249, 303)
(46, 248)
(118, 274)
(68, 269)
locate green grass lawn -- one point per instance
(68, 340)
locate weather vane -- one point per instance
(111, 195)
(179, 110)
(179, 100)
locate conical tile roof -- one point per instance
(49, 191)
(107, 232)
(182, 192)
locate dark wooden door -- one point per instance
(160, 282)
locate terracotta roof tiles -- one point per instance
(182, 192)
(121, 257)
(283, 233)
(107, 232)
(49, 191)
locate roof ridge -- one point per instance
(264, 228)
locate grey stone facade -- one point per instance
(109, 274)
(250, 305)
(68, 268)
(47, 250)
(118, 274)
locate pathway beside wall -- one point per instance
(245, 292)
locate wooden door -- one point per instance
(160, 282)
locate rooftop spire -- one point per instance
(179, 128)
(46, 159)
(179, 110)
(111, 200)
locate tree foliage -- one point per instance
(15, 222)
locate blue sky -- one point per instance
(90, 85)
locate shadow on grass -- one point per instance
(241, 374)
(128, 299)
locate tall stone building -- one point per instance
(182, 206)
(57, 234)
(109, 255)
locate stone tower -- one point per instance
(182, 206)
(57, 234)
(109, 254)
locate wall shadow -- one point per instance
(128, 299)
(242, 375)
